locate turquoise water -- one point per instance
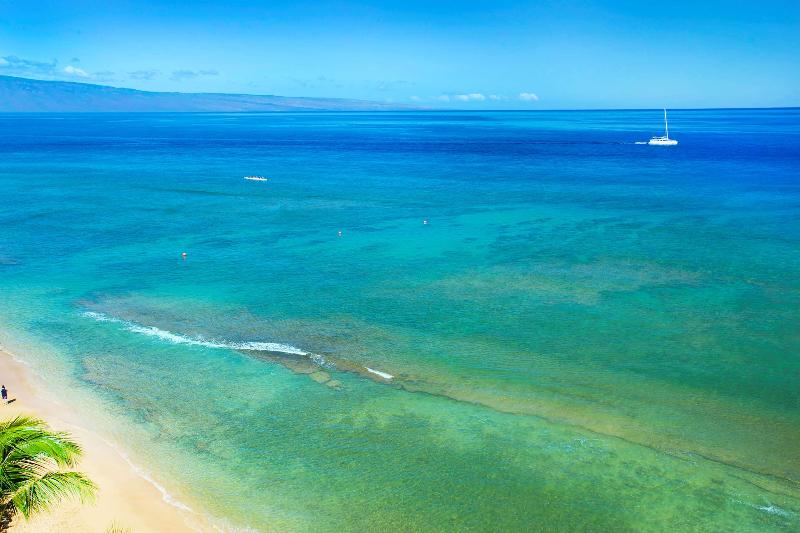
(587, 334)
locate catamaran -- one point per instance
(664, 140)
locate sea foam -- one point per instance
(165, 495)
(384, 375)
(177, 338)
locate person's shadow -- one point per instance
(12, 400)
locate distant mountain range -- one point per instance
(28, 95)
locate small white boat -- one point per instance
(256, 178)
(663, 140)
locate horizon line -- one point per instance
(410, 106)
(386, 111)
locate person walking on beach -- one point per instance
(4, 393)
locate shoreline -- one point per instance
(127, 497)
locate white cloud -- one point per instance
(443, 98)
(69, 70)
(19, 66)
(415, 98)
(528, 97)
(471, 97)
(28, 67)
(497, 97)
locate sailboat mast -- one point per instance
(666, 124)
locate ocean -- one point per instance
(423, 321)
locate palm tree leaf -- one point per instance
(53, 446)
(27, 437)
(31, 459)
(20, 421)
(39, 494)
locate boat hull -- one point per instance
(662, 142)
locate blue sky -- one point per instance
(500, 54)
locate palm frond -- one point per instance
(41, 493)
(31, 463)
(25, 436)
(20, 421)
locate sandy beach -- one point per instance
(125, 498)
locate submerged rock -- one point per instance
(320, 376)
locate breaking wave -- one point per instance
(255, 346)
(176, 338)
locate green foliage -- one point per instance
(33, 469)
(116, 528)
